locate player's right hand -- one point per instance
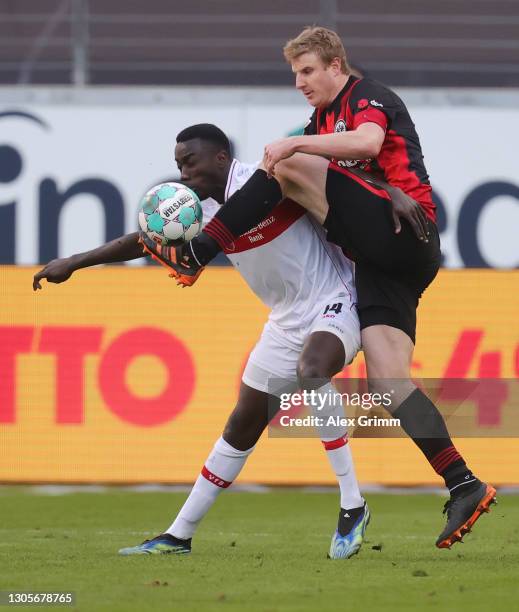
(403, 206)
(56, 271)
(179, 260)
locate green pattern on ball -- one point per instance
(149, 203)
(155, 223)
(186, 216)
(166, 192)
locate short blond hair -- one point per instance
(321, 41)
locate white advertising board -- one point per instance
(73, 168)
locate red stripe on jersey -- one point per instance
(394, 161)
(333, 444)
(216, 480)
(283, 216)
(330, 122)
(381, 193)
(370, 115)
(345, 110)
(332, 116)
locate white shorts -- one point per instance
(277, 352)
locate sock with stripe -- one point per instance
(339, 455)
(222, 466)
(422, 421)
(335, 441)
(242, 211)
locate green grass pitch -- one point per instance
(255, 551)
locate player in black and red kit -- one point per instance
(357, 123)
(399, 162)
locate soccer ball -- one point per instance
(170, 213)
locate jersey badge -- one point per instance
(340, 126)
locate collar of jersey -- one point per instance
(335, 105)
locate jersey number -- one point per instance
(336, 308)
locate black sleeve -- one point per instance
(370, 98)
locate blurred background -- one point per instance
(466, 43)
(116, 376)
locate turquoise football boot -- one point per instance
(349, 535)
(163, 544)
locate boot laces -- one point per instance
(450, 505)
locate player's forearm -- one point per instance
(341, 146)
(124, 248)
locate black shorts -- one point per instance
(391, 270)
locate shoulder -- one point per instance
(239, 174)
(244, 171)
(368, 93)
(209, 208)
(369, 88)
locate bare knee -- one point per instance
(249, 418)
(322, 358)
(303, 179)
(299, 166)
(312, 372)
(242, 431)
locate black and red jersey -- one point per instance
(400, 161)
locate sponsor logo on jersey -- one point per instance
(352, 163)
(285, 214)
(375, 103)
(261, 225)
(340, 126)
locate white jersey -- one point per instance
(286, 260)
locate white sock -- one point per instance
(342, 463)
(335, 442)
(222, 466)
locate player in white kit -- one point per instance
(311, 333)
(313, 293)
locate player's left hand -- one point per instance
(276, 151)
(403, 206)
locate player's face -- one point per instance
(199, 166)
(316, 81)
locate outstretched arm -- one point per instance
(121, 249)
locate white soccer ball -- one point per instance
(170, 213)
